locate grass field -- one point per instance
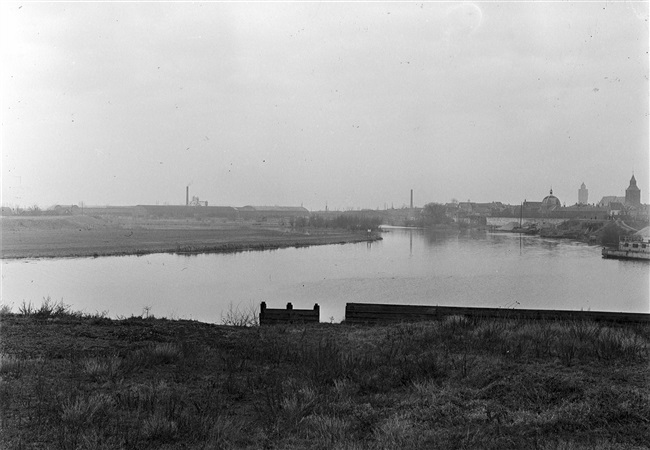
(69, 236)
(74, 382)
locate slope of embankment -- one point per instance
(604, 232)
(68, 381)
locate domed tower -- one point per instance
(551, 202)
(583, 194)
(633, 193)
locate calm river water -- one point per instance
(408, 266)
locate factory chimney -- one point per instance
(187, 196)
(411, 198)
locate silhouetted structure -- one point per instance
(633, 193)
(583, 195)
(270, 316)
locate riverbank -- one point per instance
(84, 236)
(69, 381)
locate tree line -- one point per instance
(342, 221)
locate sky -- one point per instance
(344, 104)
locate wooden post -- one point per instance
(262, 311)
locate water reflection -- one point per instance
(436, 238)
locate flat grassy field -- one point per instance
(69, 381)
(70, 236)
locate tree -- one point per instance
(435, 214)
(32, 211)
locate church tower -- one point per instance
(633, 193)
(583, 194)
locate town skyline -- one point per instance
(385, 206)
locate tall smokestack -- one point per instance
(187, 196)
(411, 198)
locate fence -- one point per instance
(370, 313)
(270, 316)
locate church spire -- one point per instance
(633, 193)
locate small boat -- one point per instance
(631, 247)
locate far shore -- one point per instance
(84, 236)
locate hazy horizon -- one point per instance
(346, 104)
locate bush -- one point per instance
(245, 317)
(353, 222)
(47, 309)
(611, 234)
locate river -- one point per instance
(409, 266)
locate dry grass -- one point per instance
(152, 383)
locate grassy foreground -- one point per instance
(74, 382)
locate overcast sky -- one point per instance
(349, 104)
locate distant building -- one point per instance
(583, 195)
(196, 202)
(532, 206)
(605, 201)
(633, 193)
(548, 205)
(462, 210)
(629, 205)
(551, 202)
(616, 208)
(551, 207)
(582, 212)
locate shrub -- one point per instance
(47, 309)
(151, 355)
(348, 221)
(102, 367)
(80, 415)
(297, 403)
(246, 317)
(26, 309)
(80, 410)
(159, 427)
(5, 310)
(165, 353)
(611, 344)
